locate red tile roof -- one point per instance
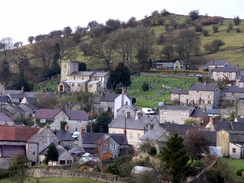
(21, 134)
(47, 113)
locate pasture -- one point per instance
(159, 89)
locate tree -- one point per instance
(237, 20)
(52, 154)
(92, 24)
(219, 172)
(47, 101)
(144, 40)
(121, 74)
(131, 22)
(215, 28)
(214, 45)
(4, 70)
(41, 37)
(30, 39)
(194, 14)
(175, 158)
(145, 86)
(21, 82)
(56, 68)
(187, 42)
(101, 124)
(112, 25)
(18, 164)
(82, 66)
(55, 34)
(6, 45)
(160, 39)
(195, 143)
(102, 50)
(67, 31)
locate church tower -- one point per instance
(67, 68)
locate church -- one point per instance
(73, 80)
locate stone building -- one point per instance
(200, 94)
(87, 81)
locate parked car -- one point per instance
(148, 111)
(76, 135)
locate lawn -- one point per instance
(160, 88)
(235, 165)
(58, 179)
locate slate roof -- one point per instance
(181, 62)
(76, 114)
(240, 120)
(131, 123)
(203, 86)
(31, 100)
(4, 99)
(177, 108)
(63, 135)
(197, 113)
(236, 136)
(156, 134)
(5, 119)
(109, 97)
(220, 125)
(228, 68)
(235, 89)
(18, 134)
(177, 91)
(219, 62)
(91, 138)
(46, 113)
(176, 128)
(82, 73)
(210, 137)
(119, 138)
(100, 74)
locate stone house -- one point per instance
(231, 143)
(75, 119)
(87, 81)
(131, 124)
(228, 72)
(179, 65)
(114, 101)
(217, 63)
(163, 65)
(65, 138)
(26, 140)
(200, 94)
(112, 143)
(64, 157)
(175, 114)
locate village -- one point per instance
(200, 108)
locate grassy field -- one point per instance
(58, 179)
(235, 165)
(160, 88)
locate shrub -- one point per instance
(198, 163)
(239, 172)
(198, 28)
(238, 30)
(205, 32)
(145, 86)
(211, 20)
(215, 28)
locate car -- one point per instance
(148, 111)
(76, 135)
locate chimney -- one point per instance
(22, 89)
(205, 82)
(122, 97)
(212, 119)
(66, 128)
(80, 143)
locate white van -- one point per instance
(148, 111)
(76, 135)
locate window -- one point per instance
(73, 84)
(78, 84)
(131, 136)
(62, 162)
(232, 94)
(217, 73)
(74, 78)
(209, 102)
(183, 113)
(65, 119)
(57, 119)
(112, 146)
(90, 86)
(138, 136)
(182, 119)
(79, 121)
(33, 152)
(69, 161)
(234, 150)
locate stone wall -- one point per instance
(36, 172)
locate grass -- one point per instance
(235, 165)
(57, 179)
(160, 88)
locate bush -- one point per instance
(239, 172)
(198, 28)
(211, 20)
(205, 32)
(238, 30)
(215, 28)
(145, 86)
(198, 163)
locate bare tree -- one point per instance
(6, 44)
(92, 24)
(195, 143)
(187, 42)
(44, 51)
(124, 43)
(102, 49)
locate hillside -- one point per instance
(80, 44)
